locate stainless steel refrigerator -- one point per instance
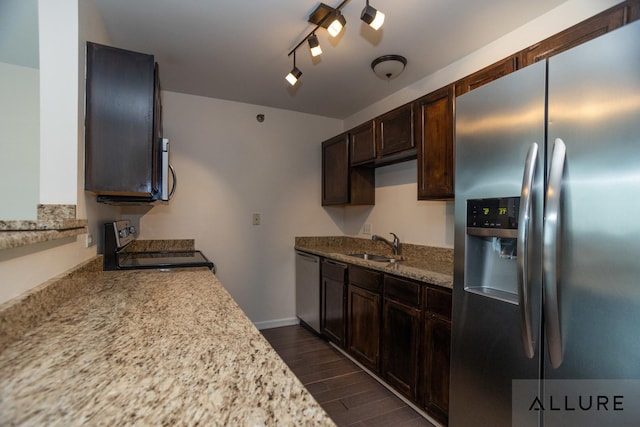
(547, 237)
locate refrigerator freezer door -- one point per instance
(495, 127)
(594, 106)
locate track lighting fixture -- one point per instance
(372, 16)
(332, 19)
(314, 45)
(295, 73)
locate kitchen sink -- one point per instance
(373, 257)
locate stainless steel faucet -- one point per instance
(395, 245)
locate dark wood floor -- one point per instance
(348, 394)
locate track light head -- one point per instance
(295, 73)
(293, 76)
(372, 16)
(314, 45)
(336, 26)
(328, 17)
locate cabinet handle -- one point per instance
(339, 264)
(309, 257)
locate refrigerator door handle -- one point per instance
(551, 249)
(524, 230)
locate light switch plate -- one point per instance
(367, 228)
(255, 219)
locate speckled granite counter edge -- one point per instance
(19, 315)
(14, 239)
(424, 263)
(53, 222)
(161, 245)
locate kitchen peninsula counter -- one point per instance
(143, 347)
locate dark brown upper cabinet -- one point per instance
(486, 75)
(586, 30)
(394, 131)
(425, 127)
(341, 183)
(434, 138)
(123, 123)
(363, 144)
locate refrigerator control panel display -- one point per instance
(493, 213)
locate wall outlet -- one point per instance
(367, 229)
(88, 240)
(255, 219)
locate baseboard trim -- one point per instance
(268, 324)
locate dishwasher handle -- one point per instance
(311, 258)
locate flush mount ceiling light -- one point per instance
(332, 19)
(388, 67)
(372, 16)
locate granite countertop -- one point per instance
(143, 347)
(424, 263)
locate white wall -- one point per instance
(26, 267)
(19, 121)
(230, 166)
(397, 209)
(58, 40)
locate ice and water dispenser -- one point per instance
(490, 249)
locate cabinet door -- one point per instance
(394, 131)
(333, 310)
(434, 132)
(363, 314)
(578, 34)
(332, 317)
(400, 347)
(119, 143)
(486, 75)
(335, 171)
(341, 183)
(363, 144)
(437, 347)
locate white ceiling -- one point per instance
(237, 49)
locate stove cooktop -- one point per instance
(118, 239)
(164, 259)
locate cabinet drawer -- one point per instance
(438, 301)
(334, 270)
(366, 279)
(402, 291)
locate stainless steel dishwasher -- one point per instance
(308, 290)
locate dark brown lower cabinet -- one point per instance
(437, 349)
(363, 318)
(398, 328)
(332, 318)
(400, 345)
